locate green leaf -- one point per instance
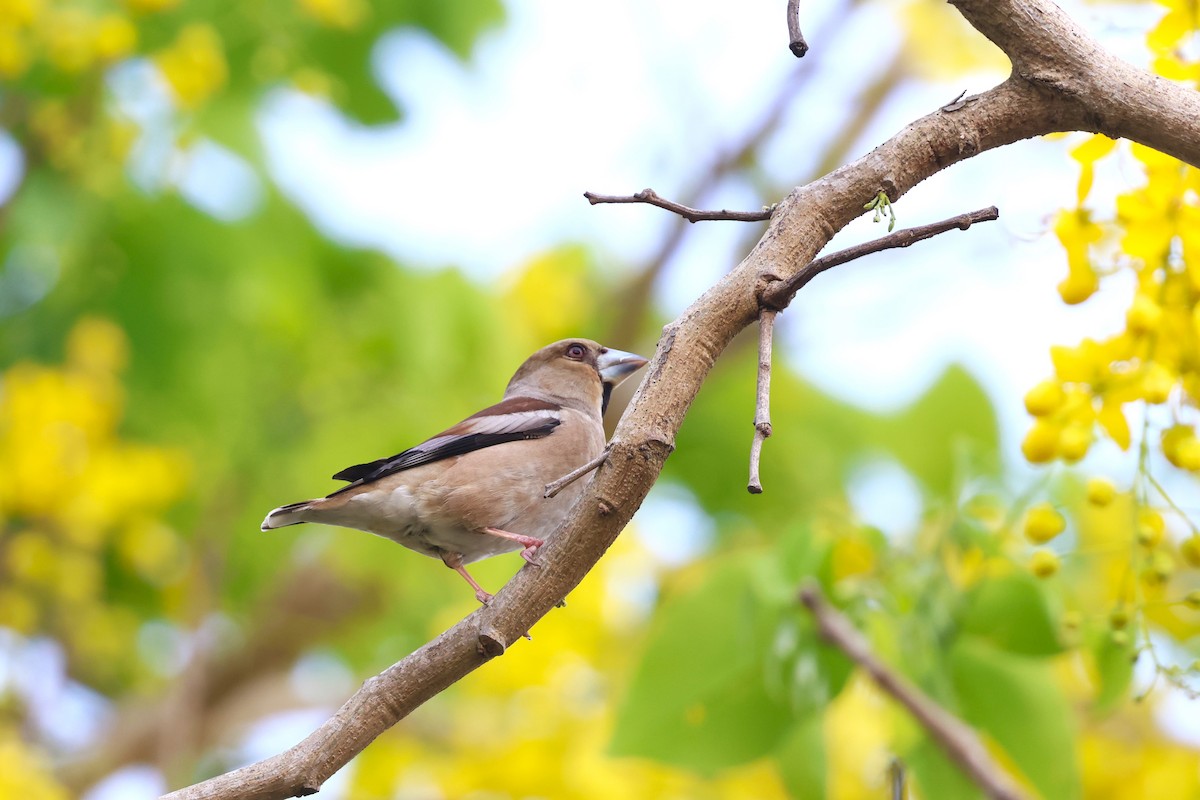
(1011, 613)
(1114, 665)
(1016, 701)
(698, 698)
(801, 759)
(949, 431)
(936, 776)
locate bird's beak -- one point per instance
(617, 365)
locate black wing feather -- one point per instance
(455, 445)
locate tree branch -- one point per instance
(780, 293)
(1089, 90)
(762, 404)
(690, 214)
(796, 41)
(558, 485)
(956, 738)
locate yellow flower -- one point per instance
(1150, 527)
(1043, 563)
(20, 13)
(1043, 523)
(1174, 25)
(194, 65)
(97, 345)
(1157, 383)
(15, 57)
(1044, 399)
(115, 37)
(68, 39)
(1179, 446)
(25, 772)
(1190, 551)
(1112, 419)
(1144, 316)
(1100, 491)
(345, 14)
(1087, 154)
(1041, 442)
(1074, 442)
(1077, 232)
(151, 6)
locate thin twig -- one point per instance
(690, 214)
(762, 405)
(896, 774)
(780, 293)
(557, 486)
(796, 41)
(957, 740)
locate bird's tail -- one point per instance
(291, 514)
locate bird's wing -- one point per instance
(510, 420)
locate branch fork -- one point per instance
(779, 294)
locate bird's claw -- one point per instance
(528, 554)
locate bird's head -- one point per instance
(574, 372)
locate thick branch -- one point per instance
(690, 214)
(955, 737)
(1097, 93)
(1050, 52)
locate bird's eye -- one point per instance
(576, 352)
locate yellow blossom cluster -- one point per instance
(80, 508)
(1155, 360)
(194, 64)
(345, 14)
(25, 771)
(69, 37)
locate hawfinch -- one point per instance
(476, 489)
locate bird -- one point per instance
(477, 489)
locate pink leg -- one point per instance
(454, 562)
(531, 544)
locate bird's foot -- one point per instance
(528, 554)
(455, 562)
(531, 544)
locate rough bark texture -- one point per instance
(1061, 81)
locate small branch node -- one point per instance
(557, 486)
(491, 643)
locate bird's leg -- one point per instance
(531, 544)
(455, 562)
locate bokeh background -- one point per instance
(244, 245)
